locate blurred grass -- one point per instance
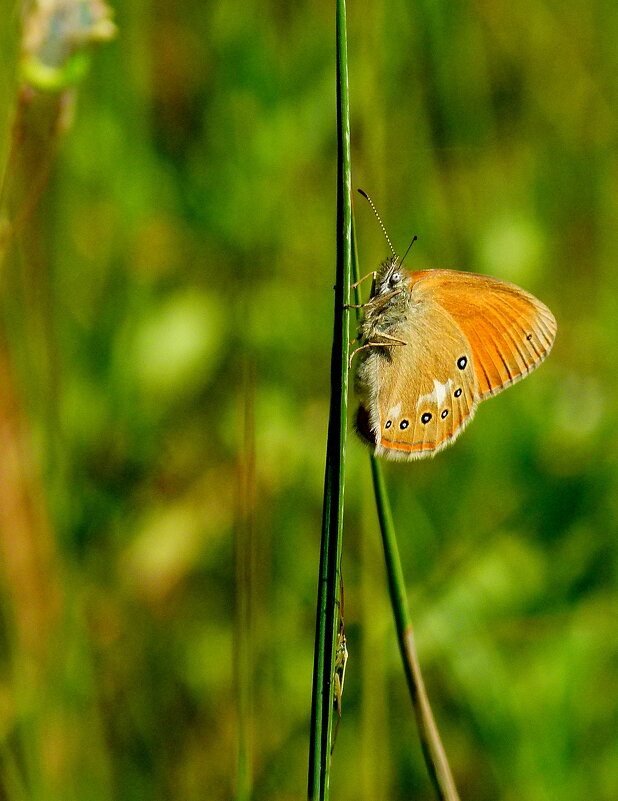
(186, 229)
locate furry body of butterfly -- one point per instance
(435, 344)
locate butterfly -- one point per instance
(436, 343)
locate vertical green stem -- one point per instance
(433, 751)
(332, 515)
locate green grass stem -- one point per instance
(433, 751)
(322, 706)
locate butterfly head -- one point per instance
(390, 278)
(389, 300)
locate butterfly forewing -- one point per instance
(510, 332)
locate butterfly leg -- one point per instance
(394, 340)
(397, 341)
(356, 284)
(372, 274)
(392, 344)
(374, 300)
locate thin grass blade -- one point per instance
(322, 707)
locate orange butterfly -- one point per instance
(435, 344)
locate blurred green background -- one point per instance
(166, 320)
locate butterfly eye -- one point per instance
(395, 278)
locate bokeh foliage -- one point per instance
(166, 310)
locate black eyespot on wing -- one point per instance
(457, 392)
(426, 417)
(462, 361)
(529, 337)
(388, 424)
(404, 424)
(444, 413)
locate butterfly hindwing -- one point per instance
(421, 394)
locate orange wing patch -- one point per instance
(509, 330)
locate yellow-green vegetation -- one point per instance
(167, 228)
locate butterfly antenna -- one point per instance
(379, 219)
(414, 238)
